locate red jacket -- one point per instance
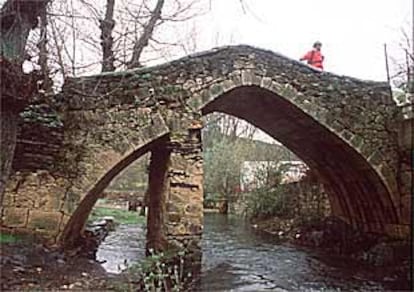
(314, 58)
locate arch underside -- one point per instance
(356, 192)
(78, 219)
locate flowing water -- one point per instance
(236, 258)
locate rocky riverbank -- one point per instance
(28, 264)
(32, 266)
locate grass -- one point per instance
(120, 216)
(9, 238)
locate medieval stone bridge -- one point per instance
(343, 128)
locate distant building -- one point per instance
(292, 171)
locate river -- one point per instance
(237, 258)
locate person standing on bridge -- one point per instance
(314, 57)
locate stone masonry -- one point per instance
(343, 128)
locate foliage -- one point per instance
(269, 202)
(120, 216)
(162, 271)
(270, 199)
(9, 238)
(43, 114)
(133, 178)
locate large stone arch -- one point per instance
(357, 190)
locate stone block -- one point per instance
(347, 135)
(195, 102)
(266, 82)
(247, 77)
(357, 141)
(400, 231)
(406, 209)
(8, 199)
(15, 217)
(175, 207)
(44, 221)
(235, 76)
(215, 90)
(228, 84)
(288, 91)
(376, 158)
(174, 217)
(176, 229)
(194, 208)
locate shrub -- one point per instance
(268, 202)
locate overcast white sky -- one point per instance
(353, 32)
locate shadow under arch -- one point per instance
(74, 226)
(356, 191)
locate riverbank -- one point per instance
(27, 264)
(31, 266)
(389, 257)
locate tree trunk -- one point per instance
(17, 18)
(8, 121)
(107, 26)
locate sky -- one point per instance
(353, 32)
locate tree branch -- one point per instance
(142, 42)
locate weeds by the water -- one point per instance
(162, 272)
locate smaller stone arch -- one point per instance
(103, 159)
(75, 224)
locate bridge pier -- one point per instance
(175, 217)
(157, 187)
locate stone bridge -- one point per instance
(345, 129)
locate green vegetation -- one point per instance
(272, 199)
(133, 178)
(9, 238)
(163, 271)
(120, 216)
(267, 202)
